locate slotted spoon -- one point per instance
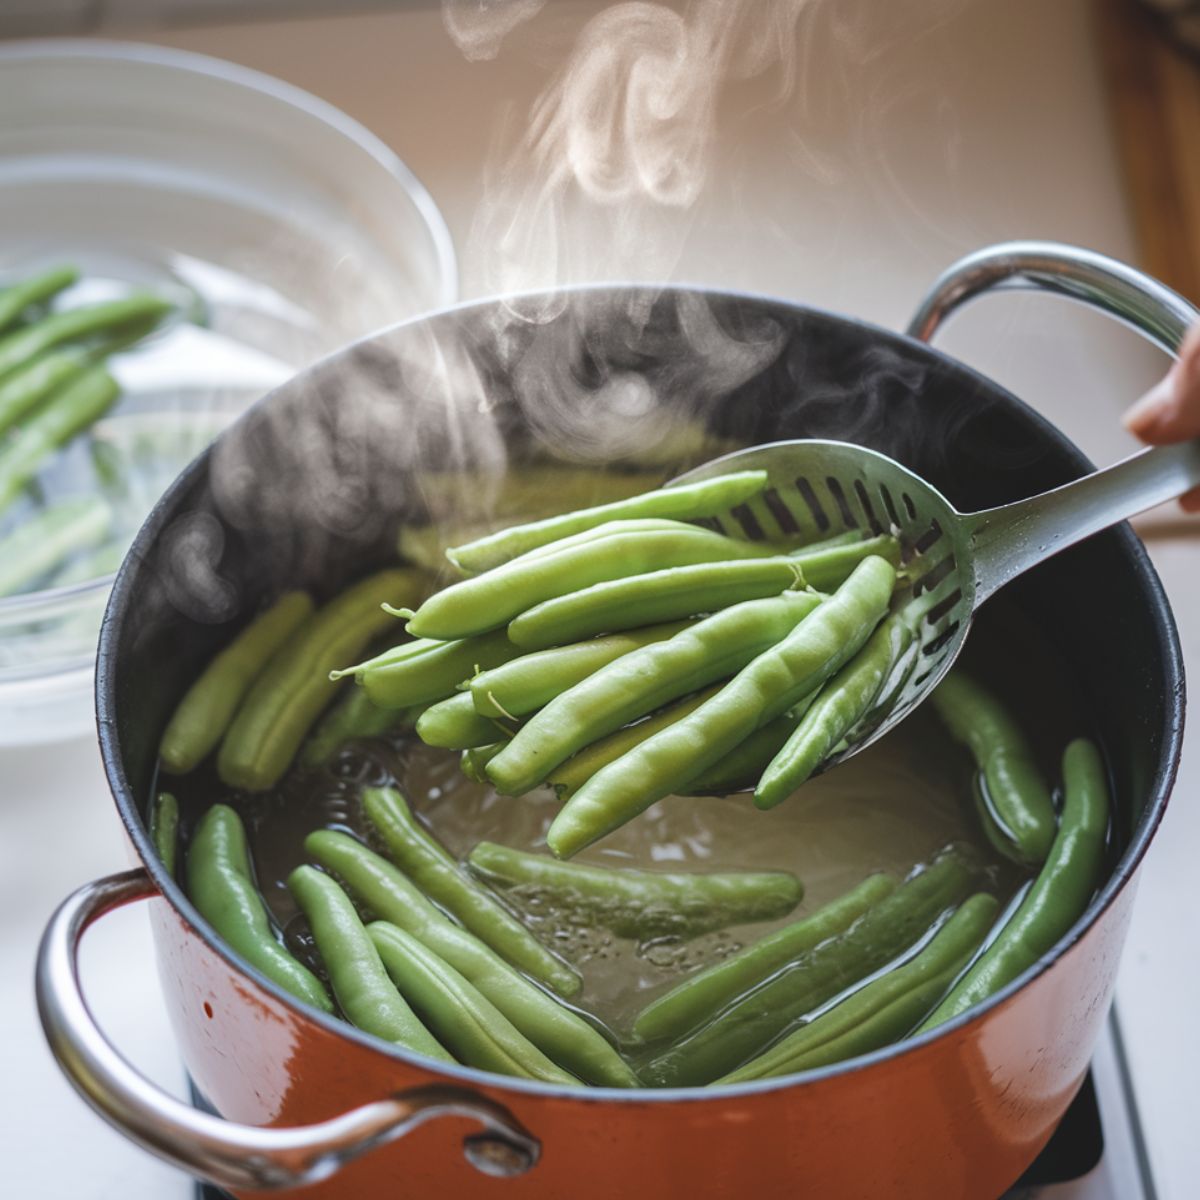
(951, 561)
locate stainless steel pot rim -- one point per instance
(1160, 787)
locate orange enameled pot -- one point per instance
(309, 489)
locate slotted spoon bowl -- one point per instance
(951, 562)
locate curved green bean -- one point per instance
(668, 595)
(461, 1017)
(525, 684)
(221, 886)
(23, 390)
(424, 671)
(46, 539)
(455, 725)
(558, 1031)
(746, 1027)
(681, 503)
(208, 706)
(642, 904)
(432, 869)
(363, 989)
(36, 289)
(492, 599)
(290, 692)
(641, 682)
(68, 412)
(886, 1009)
(763, 690)
(1060, 894)
(701, 996)
(838, 707)
(1017, 808)
(164, 829)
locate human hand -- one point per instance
(1170, 411)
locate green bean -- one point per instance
(36, 289)
(642, 904)
(763, 690)
(701, 996)
(579, 768)
(886, 1009)
(1018, 812)
(350, 718)
(455, 725)
(681, 503)
(289, 694)
(642, 681)
(424, 670)
(221, 886)
(462, 1018)
(669, 595)
(73, 324)
(164, 829)
(23, 390)
(432, 869)
(1060, 894)
(525, 684)
(883, 932)
(69, 412)
(558, 1031)
(208, 706)
(476, 758)
(826, 567)
(50, 536)
(490, 600)
(839, 706)
(741, 768)
(357, 975)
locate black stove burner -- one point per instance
(1071, 1153)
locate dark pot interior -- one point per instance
(309, 488)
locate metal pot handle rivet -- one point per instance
(226, 1154)
(1151, 308)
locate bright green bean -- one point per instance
(525, 684)
(455, 725)
(350, 718)
(36, 289)
(641, 682)
(1017, 808)
(221, 886)
(69, 412)
(432, 869)
(579, 768)
(763, 690)
(164, 829)
(886, 1009)
(357, 975)
(826, 567)
(461, 1017)
(424, 671)
(701, 996)
(669, 595)
(46, 539)
(1059, 895)
(641, 904)
(838, 707)
(683, 502)
(291, 691)
(744, 1028)
(492, 599)
(558, 1031)
(23, 390)
(208, 706)
(73, 324)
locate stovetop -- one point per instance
(1097, 1152)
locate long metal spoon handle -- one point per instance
(1011, 539)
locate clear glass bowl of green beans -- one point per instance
(180, 236)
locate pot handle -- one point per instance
(229, 1155)
(1137, 300)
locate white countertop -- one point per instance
(989, 127)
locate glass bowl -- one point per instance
(281, 228)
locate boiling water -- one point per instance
(892, 806)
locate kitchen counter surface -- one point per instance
(989, 127)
